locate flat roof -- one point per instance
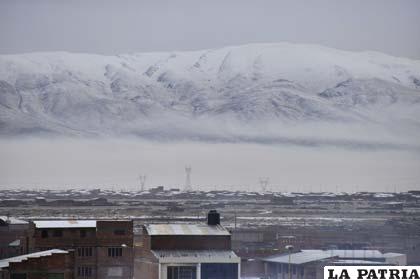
(306, 256)
(185, 229)
(209, 256)
(4, 263)
(65, 224)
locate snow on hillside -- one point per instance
(238, 93)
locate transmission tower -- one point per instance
(188, 186)
(264, 183)
(142, 179)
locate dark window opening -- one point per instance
(85, 252)
(119, 232)
(219, 270)
(83, 233)
(114, 252)
(58, 233)
(18, 276)
(84, 271)
(55, 276)
(44, 233)
(182, 272)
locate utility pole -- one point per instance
(290, 249)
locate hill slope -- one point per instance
(248, 92)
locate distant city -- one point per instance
(173, 233)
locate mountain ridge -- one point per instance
(239, 88)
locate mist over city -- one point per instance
(234, 139)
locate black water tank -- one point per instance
(213, 218)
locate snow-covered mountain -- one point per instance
(235, 92)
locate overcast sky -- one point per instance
(123, 26)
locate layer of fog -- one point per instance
(107, 163)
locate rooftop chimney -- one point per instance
(213, 218)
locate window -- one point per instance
(114, 252)
(84, 251)
(182, 272)
(44, 233)
(58, 233)
(55, 276)
(219, 270)
(84, 271)
(119, 232)
(83, 233)
(18, 276)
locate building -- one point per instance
(50, 264)
(187, 251)
(13, 237)
(103, 249)
(308, 264)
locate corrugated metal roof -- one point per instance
(306, 256)
(392, 255)
(300, 257)
(196, 256)
(185, 229)
(65, 224)
(5, 262)
(357, 262)
(13, 221)
(194, 253)
(351, 254)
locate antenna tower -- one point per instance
(142, 179)
(264, 183)
(188, 186)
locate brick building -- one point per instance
(102, 249)
(13, 237)
(50, 264)
(187, 251)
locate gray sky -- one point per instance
(123, 26)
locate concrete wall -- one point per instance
(193, 242)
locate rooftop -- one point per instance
(65, 224)
(180, 256)
(300, 257)
(306, 256)
(357, 262)
(351, 254)
(13, 221)
(4, 263)
(185, 229)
